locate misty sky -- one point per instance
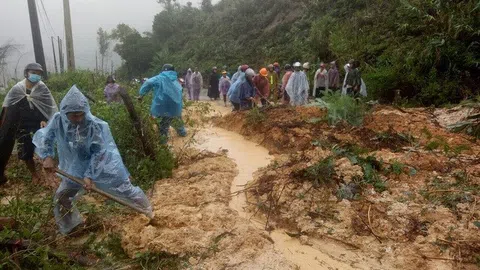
(87, 17)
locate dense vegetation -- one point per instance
(429, 50)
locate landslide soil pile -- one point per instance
(400, 187)
(193, 220)
(279, 129)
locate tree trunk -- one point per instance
(103, 69)
(147, 147)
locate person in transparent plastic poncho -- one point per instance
(234, 91)
(188, 83)
(196, 83)
(297, 87)
(86, 149)
(26, 108)
(236, 75)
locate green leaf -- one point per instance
(477, 223)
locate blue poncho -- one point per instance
(167, 100)
(84, 150)
(236, 74)
(234, 90)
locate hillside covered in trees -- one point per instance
(430, 50)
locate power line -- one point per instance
(41, 19)
(48, 19)
(45, 30)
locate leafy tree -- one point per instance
(430, 50)
(103, 40)
(136, 50)
(169, 5)
(207, 5)
(5, 51)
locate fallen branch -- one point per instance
(340, 240)
(472, 213)
(368, 216)
(400, 109)
(438, 258)
(444, 190)
(370, 228)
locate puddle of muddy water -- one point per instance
(250, 157)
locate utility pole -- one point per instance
(61, 58)
(111, 70)
(54, 57)
(37, 37)
(96, 61)
(68, 35)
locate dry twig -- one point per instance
(370, 228)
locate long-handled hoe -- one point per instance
(103, 193)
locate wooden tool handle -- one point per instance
(103, 193)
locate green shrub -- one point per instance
(433, 145)
(382, 83)
(255, 116)
(397, 167)
(342, 108)
(34, 218)
(321, 173)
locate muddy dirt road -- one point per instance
(199, 219)
(249, 157)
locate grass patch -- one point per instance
(255, 116)
(154, 261)
(449, 194)
(342, 108)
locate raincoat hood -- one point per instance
(234, 90)
(237, 74)
(172, 75)
(74, 101)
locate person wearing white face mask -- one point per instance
(27, 107)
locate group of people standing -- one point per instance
(246, 88)
(217, 85)
(193, 83)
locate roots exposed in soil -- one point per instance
(401, 186)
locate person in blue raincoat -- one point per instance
(233, 93)
(167, 102)
(247, 91)
(236, 74)
(86, 149)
